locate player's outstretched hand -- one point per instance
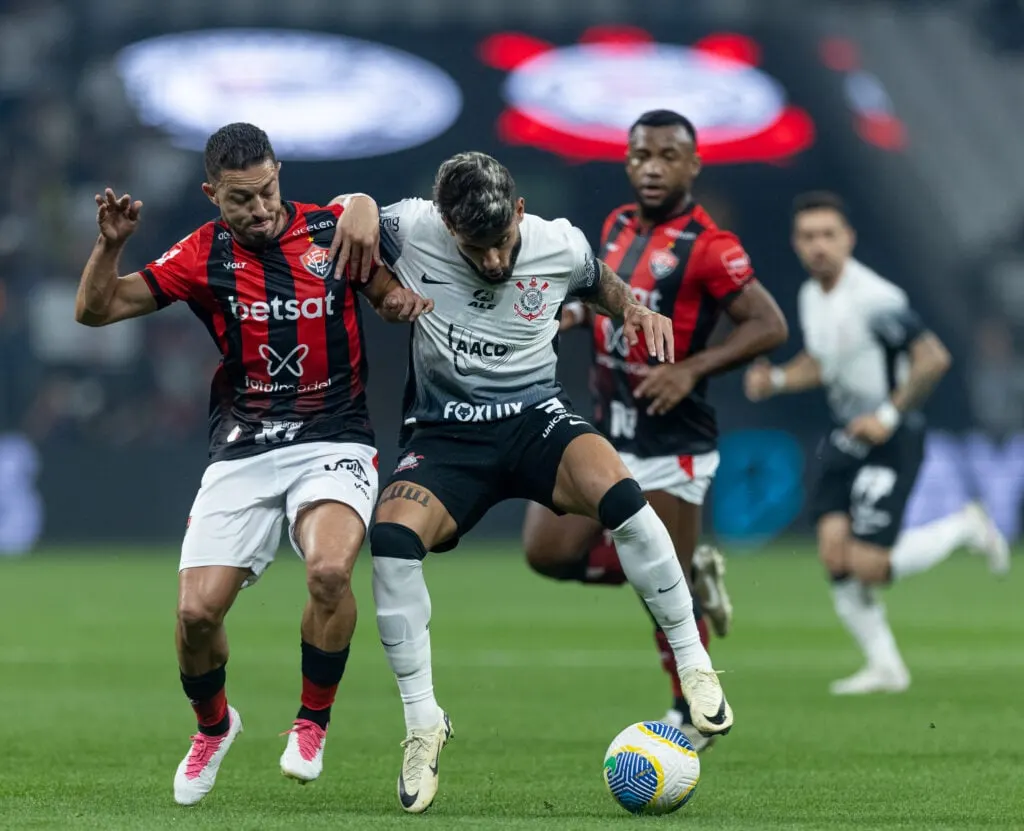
(666, 386)
(757, 380)
(401, 305)
(117, 216)
(656, 328)
(357, 238)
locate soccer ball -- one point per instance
(651, 768)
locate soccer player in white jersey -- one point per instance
(487, 421)
(878, 363)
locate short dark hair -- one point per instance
(235, 147)
(665, 118)
(820, 200)
(475, 194)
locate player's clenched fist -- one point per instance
(757, 381)
(117, 216)
(402, 304)
(657, 330)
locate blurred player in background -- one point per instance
(878, 364)
(290, 435)
(679, 263)
(486, 420)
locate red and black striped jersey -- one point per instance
(293, 365)
(685, 268)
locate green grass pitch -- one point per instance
(538, 677)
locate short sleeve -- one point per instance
(171, 276)
(585, 276)
(724, 266)
(897, 326)
(396, 224)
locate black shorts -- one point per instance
(870, 484)
(470, 468)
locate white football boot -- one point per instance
(700, 742)
(709, 711)
(873, 679)
(197, 772)
(987, 540)
(303, 757)
(417, 784)
(709, 584)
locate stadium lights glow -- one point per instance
(318, 96)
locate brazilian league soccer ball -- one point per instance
(651, 768)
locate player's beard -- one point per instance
(674, 203)
(506, 273)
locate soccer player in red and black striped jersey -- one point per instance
(290, 434)
(680, 264)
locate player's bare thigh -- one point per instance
(329, 535)
(551, 541)
(682, 519)
(419, 510)
(833, 537)
(589, 467)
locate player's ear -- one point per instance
(520, 207)
(211, 193)
(696, 165)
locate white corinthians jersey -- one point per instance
(859, 333)
(487, 351)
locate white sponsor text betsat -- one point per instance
(312, 308)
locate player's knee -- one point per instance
(328, 580)
(621, 502)
(389, 539)
(198, 617)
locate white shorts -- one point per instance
(686, 477)
(237, 515)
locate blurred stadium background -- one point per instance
(912, 110)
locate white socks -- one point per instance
(649, 561)
(921, 548)
(863, 615)
(403, 620)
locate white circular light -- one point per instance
(318, 96)
(597, 91)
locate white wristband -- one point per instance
(888, 415)
(778, 378)
(574, 308)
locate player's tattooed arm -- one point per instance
(929, 361)
(613, 297)
(393, 302)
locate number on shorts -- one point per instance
(872, 484)
(623, 421)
